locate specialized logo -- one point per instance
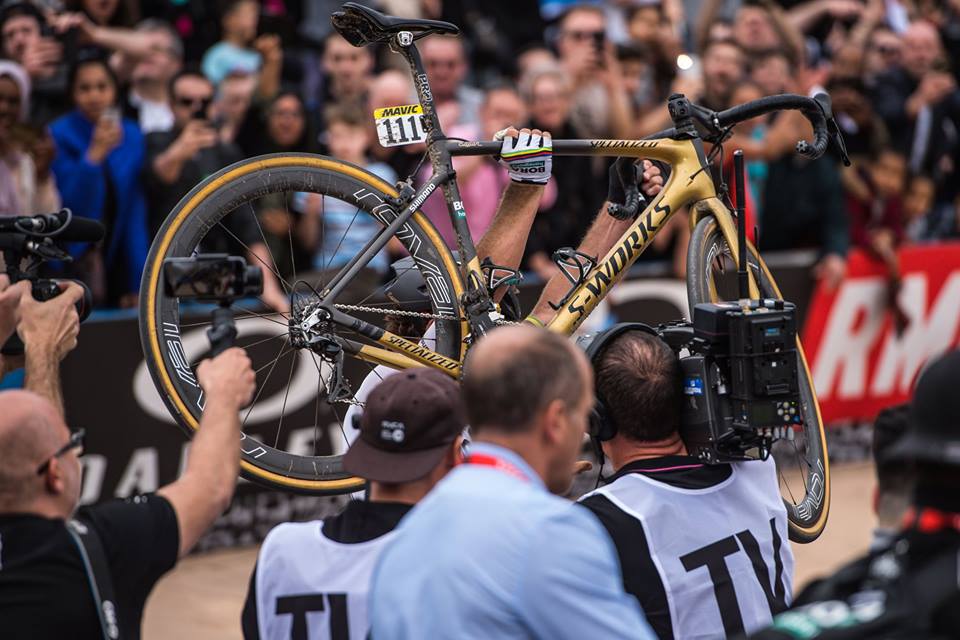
(422, 353)
(607, 273)
(623, 144)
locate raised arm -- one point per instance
(204, 490)
(601, 236)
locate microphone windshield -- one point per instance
(81, 230)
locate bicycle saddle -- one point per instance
(361, 25)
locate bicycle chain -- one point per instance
(401, 312)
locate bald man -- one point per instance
(490, 553)
(45, 589)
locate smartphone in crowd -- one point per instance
(111, 115)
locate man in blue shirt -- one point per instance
(489, 553)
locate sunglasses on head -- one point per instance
(75, 442)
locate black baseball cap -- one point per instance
(409, 422)
(933, 434)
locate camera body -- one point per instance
(43, 290)
(740, 377)
(213, 277)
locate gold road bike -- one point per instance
(333, 334)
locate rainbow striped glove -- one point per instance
(528, 157)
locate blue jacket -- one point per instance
(83, 187)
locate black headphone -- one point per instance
(601, 426)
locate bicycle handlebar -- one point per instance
(817, 110)
(714, 126)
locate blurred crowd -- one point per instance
(117, 108)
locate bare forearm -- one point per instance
(43, 376)
(129, 42)
(507, 235)
(708, 15)
(168, 165)
(805, 15)
(269, 84)
(204, 490)
(602, 235)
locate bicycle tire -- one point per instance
(200, 210)
(807, 518)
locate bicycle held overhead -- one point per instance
(337, 327)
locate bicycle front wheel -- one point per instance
(802, 462)
(294, 432)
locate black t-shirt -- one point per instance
(360, 521)
(44, 591)
(241, 228)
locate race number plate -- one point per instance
(397, 126)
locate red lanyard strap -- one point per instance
(499, 464)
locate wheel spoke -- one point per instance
(263, 386)
(286, 394)
(342, 238)
(286, 285)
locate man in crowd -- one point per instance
(348, 71)
(601, 106)
(410, 437)
(46, 584)
(724, 66)
(445, 60)
(490, 553)
(701, 546)
(182, 157)
(149, 95)
(909, 588)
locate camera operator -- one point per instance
(60, 565)
(907, 589)
(702, 547)
(179, 159)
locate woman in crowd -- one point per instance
(26, 184)
(98, 164)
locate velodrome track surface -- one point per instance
(203, 596)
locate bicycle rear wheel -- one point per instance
(294, 433)
(711, 277)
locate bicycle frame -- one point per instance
(690, 184)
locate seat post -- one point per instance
(440, 159)
(403, 43)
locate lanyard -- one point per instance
(931, 520)
(499, 464)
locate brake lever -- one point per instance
(634, 200)
(836, 136)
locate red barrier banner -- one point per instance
(858, 363)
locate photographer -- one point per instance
(46, 580)
(179, 159)
(701, 546)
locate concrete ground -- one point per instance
(203, 596)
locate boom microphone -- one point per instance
(63, 226)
